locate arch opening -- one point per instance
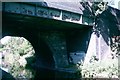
(25, 58)
(15, 52)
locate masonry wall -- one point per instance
(107, 26)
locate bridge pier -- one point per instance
(56, 41)
(52, 55)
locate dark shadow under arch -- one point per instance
(44, 62)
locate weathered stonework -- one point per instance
(57, 43)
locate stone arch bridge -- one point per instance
(55, 30)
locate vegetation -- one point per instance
(107, 68)
(14, 54)
(103, 69)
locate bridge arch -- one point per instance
(44, 61)
(56, 34)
